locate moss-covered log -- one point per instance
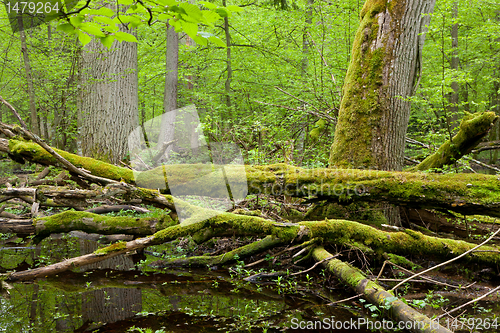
(33, 152)
(472, 130)
(243, 252)
(339, 232)
(354, 278)
(87, 222)
(99, 224)
(463, 193)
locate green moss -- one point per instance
(373, 7)
(473, 128)
(34, 152)
(94, 223)
(361, 109)
(116, 247)
(402, 261)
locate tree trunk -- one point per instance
(453, 97)
(109, 99)
(167, 130)
(29, 79)
(229, 68)
(385, 66)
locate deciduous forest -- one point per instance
(249, 166)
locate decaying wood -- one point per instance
(338, 232)
(374, 293)
(113, 251)
(469, 194)
(463, 193)
(472, 130)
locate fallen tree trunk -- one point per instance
(338, 232)
(473, 128)
(354, 278)
(462, 193)
(86, 222)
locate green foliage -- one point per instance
(102, 22)
(435, 115)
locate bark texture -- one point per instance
(109, 101)
(384, 70)
(167, 130)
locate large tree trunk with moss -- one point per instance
(384, 71)
(108, 106)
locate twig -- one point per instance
(426, 279)
(300, 100)
(326, 64)
(446, 262)
(305, 244)
(470, 302)
(314, 266)
(23, 124)
(345, 299)
(317, 114)
(70, 167)
(482, 164)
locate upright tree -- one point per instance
(383, 72)
(171, 81)
(108, 108)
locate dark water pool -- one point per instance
(123, 294)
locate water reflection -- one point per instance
(113, 296)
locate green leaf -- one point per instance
(103, 11)
(92, 29)
(177, 9)
(104, 19)
(67, 28)
(192, 12)
(167, 2)
(191, 29)
(200, 40)
(217, 41)
(125, 2)
(83, 38)
(234, 9)
(210, 17)
(223, 12)
(164, 17)
(209, 5)
(76, 20)
(108, 41)
(125, 37)
(110, 28)
(176, 24)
